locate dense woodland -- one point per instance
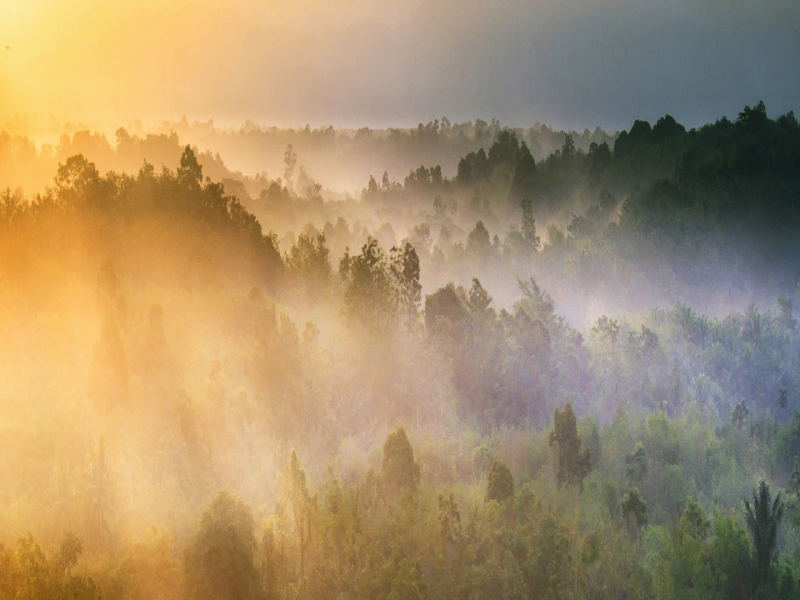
(572, 374)
(341, 159)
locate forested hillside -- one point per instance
(536, 374)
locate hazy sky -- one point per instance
(569, 63)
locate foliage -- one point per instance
(573, 463)
(399, 470)
(500, 485)
(219, 560)
(763, 518)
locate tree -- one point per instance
(296, 489)
(740, 415)
(309, 262)
(600, 158)
(500, 485)
(763, 518)
(449, 519)
(550, 565)
(568, 149)
(29, 574)
(445, 310)
(80, 186)
(370, 297)
(190, 173)
(450, 530)
(636, 464)
(634, 509)
(274, 564)
(694, 522)
(478, 241)
(529, 224)
(786, 317)
(479, 298)
(794, 479)
(289, 161)
(405, 270)
(219, 560)
(522, 188)
(573, 464)
(687, 564)
(400, 472)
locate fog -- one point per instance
(399, 301)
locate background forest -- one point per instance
(545, 365)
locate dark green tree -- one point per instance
(636, 465)
(634, 509)
(500, 485)
(550, 568)
(600, 158)
(694, 522)
(573, 464)
(763, 518)
(740, 415)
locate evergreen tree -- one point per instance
(573, 464)
(636, 465)
(400, 472)
(500, 486)
(634, 509)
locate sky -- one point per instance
(567, 63)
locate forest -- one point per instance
(547, 365)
